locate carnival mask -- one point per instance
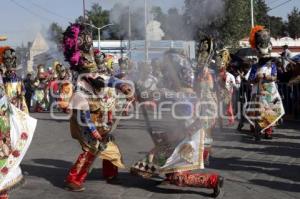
(263, 42)
(184, 69)
(85, 41)
(78, 48)
(187, 76)
(10, 59)
(223, 59)
(204, 46)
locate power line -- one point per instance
(49, 11)
(280, 5)
(29, 11)
(274, 1)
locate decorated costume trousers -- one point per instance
(229, 113)
(206, 154)
(80, 169)
(268, 131)
(4, 195)
(188, 179)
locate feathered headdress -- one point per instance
(253, 32)
(70, 45)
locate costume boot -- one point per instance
(230, 114)
(4, 195)
(206, 154)
(79, 172)
(268, 133)
(209, 180)
(110, 172)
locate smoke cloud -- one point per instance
(176, 24)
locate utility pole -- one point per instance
(129, 31)
(146, 34)
(99, 32)
(83, 2)
(252, 13)
(99, 39)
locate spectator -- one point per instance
(286, 57)
(28, 90)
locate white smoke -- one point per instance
(119, 15)
(154, 31)
(200, 14)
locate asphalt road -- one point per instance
(270, 169)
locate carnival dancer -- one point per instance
(28, 84)
(265, 107)
(65, 88)
(205, 88)
(227, 84)
(53, 91)
(179, 144)
(13, 84)
(16, 126)
(41, 93)
(93, 98)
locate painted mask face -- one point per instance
(263, 43)
(85, 45)
(204, 46)
(10, 59)
(187, 76)
(85, 41)
(78, 48)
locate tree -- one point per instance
(276, 26)
(55, 33)
(261, 10)
(174, 25)
(236, 23)
(158, 14)
(97, 17)
(293, 23)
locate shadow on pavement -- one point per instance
(55, 171)
(284, 186)
(284, 171)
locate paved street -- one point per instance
(270, 169)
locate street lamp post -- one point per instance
(252, 13)
(99, 32)
(146, 35)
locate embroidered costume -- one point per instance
(16, 126)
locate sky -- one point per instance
(21, 20)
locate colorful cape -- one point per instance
(16, 132)
(265, 107)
